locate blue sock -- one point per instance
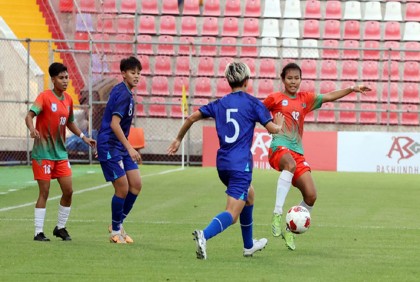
(117, 205)
(128, 205)
(246, 221)
(219, 223)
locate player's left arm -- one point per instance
(73, 128)
(337, 94)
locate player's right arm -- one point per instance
(29, 120)
(196, 116)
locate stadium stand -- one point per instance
(352, 10)
(333, 10)
(347, 113)
(167, 25)
(368, 114)
(160, 86)
(149, 7)
(272, 9)
(128, 7)
(170, 7)
(326, 113)
(313, 9)
(252, 8)
(251, 28)
(232, 8)
(211, 8)
(373, 11)
(191, 8)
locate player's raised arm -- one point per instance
(173, 148)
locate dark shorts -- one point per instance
(116, 167)
(237, 183)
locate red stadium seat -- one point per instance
(412, 51)
(368, 115)
(191, 8)
(228, 47)
(410, 115)
(88, 6)
(189, 25)
(125, 24)
(332, 29)
(412, 12)
(81, 45)
(313, 9)
(411, 71)
(352, 97)
(310, 117)
(347, 113)
(205, 66)
(392, 45)
(147, 25)
(370, 70)
(326, 113)
(230, 27)
(186, 47)
(182, 65)
(166, 45)
(208, 47)
(330, 50)
(103, 46)
(327, 86)
(125, 44)
(328, 69)
(267, 68)
(176, 107)
(128, 6)
(167, 25)
(144, 45)
(394, 74)
(371, 50)
(249, 51)
(311, 29)
(265, 87)
(411, 93)
(141, 88)
(65, 6)
(309, 69)
(211, 8)
(149, 7)
(252, 8)
(333, 10)
(210, 27)
(105, 25)
(307, 86)
(389, 115)
(350, 70)
(203, 87)
(232, 8)
(170, 7)
(223, 62)
(372, 30)
(157, 107)
(160, 86)
(393, 95)
(198, 102)
(180, 81)
(370, 96)
(109, 7)
(222, 87)
(163, 65)
(251, 28)
(351, 49)
(352, 30)
(139, 106)
(145, 64)
(250, 62)
(392, 31)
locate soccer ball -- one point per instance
(298, 219)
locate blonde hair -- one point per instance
(237, 73)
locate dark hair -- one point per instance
(130, 63)
(56, 68)
(290, 66)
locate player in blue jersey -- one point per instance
(117, 157)
(235, 115)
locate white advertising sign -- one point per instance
(383, 152)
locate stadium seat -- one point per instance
(180, 81)
(222, 87)
(101, 42)
(141, 88)
(394, 55)
(390, 70)
(191, 8)
(332, 29)
(170, 7)
(125, 43)
(310, 117)
(210, 27)
(410, 115)
(99, 64)
(370, 96)
(251, 28)
(389, 114)
(267, 68)
(160, 86)
(311, 29)
(88, 6)
(139, 106)
(182, 65)
(65, 6)
(252, 8)
(328, 69)
(313, 9)
(307, 86)
(145, 45)
(373, 11)
(81, 45)
(176, 107)
(411, 52)
(265, 87)
(145, 64)
(230, 27)
(269, 47)
(327, 86)
(189, 26)
(249, 51)
(352, 97)
(333, 10)
(84, 22)
(205, 66)
(372, 30)
(125, 24)
(368, 114)
(351, 49)
(330, 49)
(347, 113)
(228, 47)
(186, 45)
(157, 107)
(411, 71)
(251, 64)
(411, 93)
(147, 25)
(352, 10)
(222, 62)
(290, 29)
(165, 45)
(163, 65)
(272, 9)
(203, 87)
(290, 48)
(371, 50)
(270, 28)
(167, 25)
(232, 8)
(105, 25)
(412, 31)
(309, 69)
(391, 93)
(370, 70)
(211, 8)
(351, 30)
(114, 64)
(412, 12)
(292, 9)
(326, 113)
(149, 7)
(128, 6)
(310, 49)
(208, 46)
(392, 31)
(393, 11)
(199, 102)
(349, 70)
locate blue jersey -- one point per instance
(236, 115)
(120, 103)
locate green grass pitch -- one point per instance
(365, 227)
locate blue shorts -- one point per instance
(237, 183)
(116, 167)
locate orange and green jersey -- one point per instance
(53, 113)
(294, 110)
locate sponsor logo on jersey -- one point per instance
(303, 105)
(54, 107)
(284, 103)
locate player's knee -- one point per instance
(310, 199)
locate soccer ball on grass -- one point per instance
(298, 219)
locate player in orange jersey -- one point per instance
(286, 151)
(54, 112)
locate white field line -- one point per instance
(85, 190)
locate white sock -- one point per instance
(63, 215)
(39, 217)
(283, 187)
(305, 205)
